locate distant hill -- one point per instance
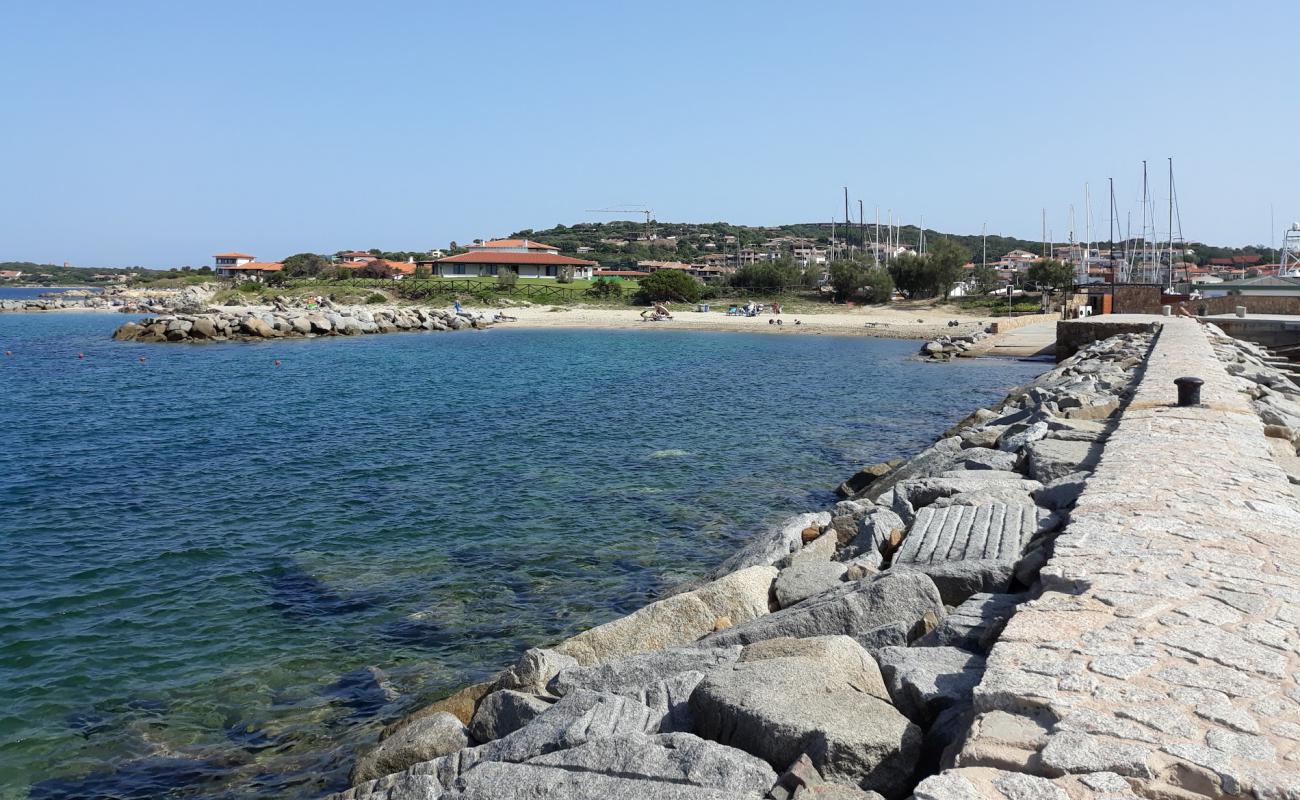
(58, 275)
(692, 238)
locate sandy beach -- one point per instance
(899, 321)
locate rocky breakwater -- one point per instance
(116, 298)
(1273, 393)
(949, 346)
(832, 657)
(284, 321)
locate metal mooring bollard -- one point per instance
(1189, 391)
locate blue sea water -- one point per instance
(204, 555)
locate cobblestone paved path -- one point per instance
(1163, 655)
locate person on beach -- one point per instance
(456, 304)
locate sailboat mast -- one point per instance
(876, 253)
(1146, 265)
(1171, 222)
(1112, 237)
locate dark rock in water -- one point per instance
(89, 723)
(416, 631)
(142, 779)
(365, 691)
(865, 477)
(109, 714)
(250, 737)
(295, 591)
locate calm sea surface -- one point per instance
(219, 576)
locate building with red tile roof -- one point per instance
(249, 270)
(527, 259)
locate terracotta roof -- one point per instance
(514, 243)
(259, 266)
(621, 273)
(356, 253)
(501, 257)
(232, 255)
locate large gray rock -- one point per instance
(534, 670)
(806, 578)
(866, 476)
(423, 739)
(821, 548)
(504, 712)
(958, 581)
(839, 657)
(662, 681)
(981, 458)
(780, 708)
(924, 681)
(678, 620)
(936, 458)
(874, 532)
(579, 717)
(677, 758)
(772, 546)
(1062, 492)
(1050, 459)
(1016, 437)
(926, 491)
(975, 624)
(629, 676)
(849, 609)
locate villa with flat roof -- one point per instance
(527, 258)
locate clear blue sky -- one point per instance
(158, 133)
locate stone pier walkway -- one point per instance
(1038, 340)
(1163, 655)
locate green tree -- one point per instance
(985, 279)
(848, 275)
(668, 284)
(931, 275)
(768, 276)
(908, 271)
(306, 265)
(1050, 273)
(507, 278)
(605, 288)
(878, 287)
(946, 259)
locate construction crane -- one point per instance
(628, 208)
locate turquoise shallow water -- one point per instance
(203, 552)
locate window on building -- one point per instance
(491, 269)
(458, 269)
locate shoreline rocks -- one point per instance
(115, 299)
(288, 322)
(838, 651)
(950, 346)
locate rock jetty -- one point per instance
(287, 321)
(949, 346)
(834, 656)
(116, 298)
